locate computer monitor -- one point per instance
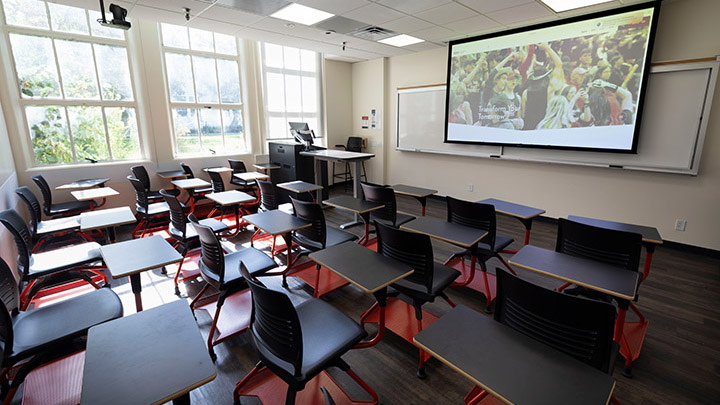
(302, 132)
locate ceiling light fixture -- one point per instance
(401, 40)
(301, 14)
(565, 5)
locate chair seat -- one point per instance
(256, 262)
(69, 207)
(154, 196)
(58, 225)
(501, 242)
(65, 258)
(240, 182)
(38, 329)
(154, 209)
(443, 276)
(191, 233)
(327, 333)
(333, 237)
(400, 218)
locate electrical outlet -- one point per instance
(470, 187)
(680, 224)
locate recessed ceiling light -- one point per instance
(565, 5)
(401, 40)
(301, 14)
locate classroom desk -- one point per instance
(359, 207)
(276, 222)
(298, 187)
(106, 220)
(231, 198)
(172, 174)
(266, 166)
(150, 357)
(83, 184)
(368, 270)
(190, 185)
(221, 169)
(132, 257)
(420, 194)
(509, 365)
(522, 213)
(251, 176)
(92, 194)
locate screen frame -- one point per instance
(654, 4)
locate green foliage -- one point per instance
(51, 142)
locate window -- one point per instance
(74, 83)
(291, 85)
(203, 81)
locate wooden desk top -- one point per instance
(100, 219)
(299, 186)
(512, 209)
(615, 281)
(250, 176)
(172, 174)
(276, 222)
(412, 191)
(230, 197)
(152, 356)
(352, 204)
(509, 365)
(221, 169)
(649, 234)
(137, 255)
(93, 193)
(82, 184)
(266, 166)
(361, 266)
(445, 231)
(190, 183)
(332, 154)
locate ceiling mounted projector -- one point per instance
(118, 20)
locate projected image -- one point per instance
(543, 87)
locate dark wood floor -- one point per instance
(680, 361)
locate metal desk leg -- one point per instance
(381, 297)
(136, 289)
(318, 179)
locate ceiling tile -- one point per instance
(374, 14)
(260, 7)
(176, 5)
(213, 25)
(446, 14)
(334, 6)
(589, 9)
(382, 49)
(222, 13)
(423, 46)
(156, 14)
(407, 24)
(341, 58)
(412, 6)
(475, 24)
(435, 33)
(260, 35)
(488, 6)
(520, 14)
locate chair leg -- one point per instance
(363, 384)
(488, 300)
(421, 365)
(177, 277)
(614, 400)
(316, 293)
(236, 392)
(290, 397)
(213, 327)
(507, 266)
(475, 395)
(197, 297)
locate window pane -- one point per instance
(225, 44)
(309, 60)
(201, 40)
(35, 64)
(273, 56)
(211, 130)
(122, 128)
(114, 72)
(88, 131)
(312, 123)
(77, 69)
(229, 81)
(278, 128)
(292, 91)
(68, 19)
(179, 72)
(233, 126)
(175, 35)
(186, 130)
(101, 31)
(275, 92)
(205, 79)
(309, 94)
(292, 58)
(49, 134)
(26, 13)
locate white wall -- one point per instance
(368, 89)
(687, 29)
(8, 199)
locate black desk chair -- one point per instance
(153, 196)
(298, 343)
(479, 216)
(268, 202)
(388, 215)
(152, 216)
(184, 233)
(238, 166)
(53, 269)
(428, 280)
(316, 237)
(60, 209)
(222, 272)
(197, 193)
(46, 332)
(354, 144)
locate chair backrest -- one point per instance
(473, 215)
(212, 257)
(141, 174)
(609, 246)
(141, 197)
(411, 248)
(313, 213)
(218, 185)
(354, 144)
(382, 195)
(268, 196)
(9, 304)
(274, 323)
(187, 170)
(177, 214)
(580, 327)
(33, 205)
(237, 166)
(45, 190)
(21, 234)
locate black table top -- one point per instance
(612, 280)
(509, 365)
(152, 356)
(353, 204)
(172, 174)
(361, 266)
(82, 184)
(299, 186)
(276, 222)
(413, 191)
(137, 255)
(649, 234)
(445, 231)
(512, 209)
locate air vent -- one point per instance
(373, 33)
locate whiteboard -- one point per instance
(672, 132)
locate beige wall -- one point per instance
(368, 85)
(687, 29)
(8, 184)
(338, 102)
